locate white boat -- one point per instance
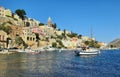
(34, 52)
(19, 50)
(87, 52)
(29, 51)
(49, 48)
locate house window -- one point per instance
(33, 39)
(3, 38)
(27, 38)
(30, 38)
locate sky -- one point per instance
(78, 16)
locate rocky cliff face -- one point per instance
(6, 19)
(11, 20)
(115, 43)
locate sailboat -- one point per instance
(90, 51)
(87, 50)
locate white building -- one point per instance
(2, 11)
(66, 43)
(85, 38)
(59, 32)
(7, 12)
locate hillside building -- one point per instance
(3, 39)
(2, 11)
(28, 36)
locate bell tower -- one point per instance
(49, 22)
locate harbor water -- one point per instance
(60, 64)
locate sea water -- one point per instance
(60, 64)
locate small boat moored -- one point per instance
(88, 52)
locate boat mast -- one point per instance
(91, 33)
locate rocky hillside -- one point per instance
(115, 43)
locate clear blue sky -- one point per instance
(75, 15)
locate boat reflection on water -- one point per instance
(88, 56)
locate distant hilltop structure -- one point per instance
(49, 22)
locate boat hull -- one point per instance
(80, 52)
(89, 53)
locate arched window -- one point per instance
(30, 38)
(33, 39)
(27, 38)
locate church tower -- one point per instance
(49, 22)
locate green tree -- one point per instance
(79, 36)
(60, 43)
(64, 34)
(59, 29)
(10, 22)
(54, 44)
(19, 40)
(86, 42)
(25, 45)
(54, 25)
(2, 27)
(72, 35)
(97, 45)
(41, 24)
(59, 37)
(47, 39)
(111, 46)
(7, 29)
(92, 43)
(37, 38)
(21, 13)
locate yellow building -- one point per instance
(85, 38)
(16, 30)
(1, 11)
(102, 44)
(28, 36)
(7, 12)
(32, 22)
(3, 39)
(42, 27)
(74, 42)
(16, 16)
